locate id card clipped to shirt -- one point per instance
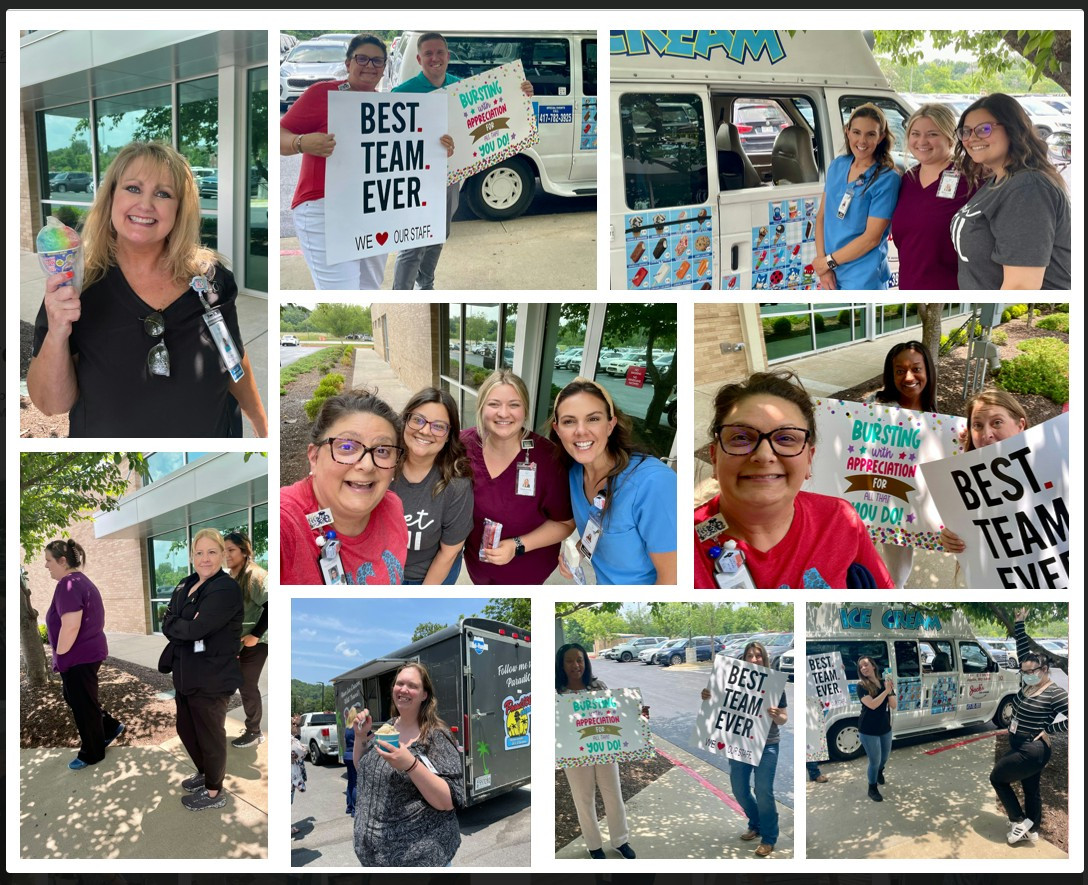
(592, 534)
(526, 472)
(217, 328)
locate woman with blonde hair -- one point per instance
(151, 346)
(857, 206)
(931, 192)
(203, 623)
(254, 652)
(521, 510)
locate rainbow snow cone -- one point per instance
(60, 250)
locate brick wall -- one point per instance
(414, 341)
(727, 322)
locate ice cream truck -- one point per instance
(721, 142)
(944, 677)
(482, 680)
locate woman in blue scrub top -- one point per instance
(859, 199)
(624, 501)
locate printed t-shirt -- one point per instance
(878, 721)
(826, 537)
(1022, 222)
(433, 521)
(638, 520)
(310, 113)
(927, 258)
(374, 557)
(871, 200)
(496, 499)
(76, 592)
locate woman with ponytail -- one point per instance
(75, 626)
(238, 555)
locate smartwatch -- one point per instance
(519, 548)
(831, 262)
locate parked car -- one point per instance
(646, 656)
(675, 652)
(209, 186)
(287, 43)
(670, 410)
(785, 664)
(1046, 119)
(72, 181)
(628, 651)
(288, 341)
(758, 125)
(310, 62)
(318, 733)
(619, 366)
(564, 359)
(1003, 651)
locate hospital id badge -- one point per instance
(845, 204)
(527, 480)
(228, 352)
(950, 182)
(332, 569)
(1012, 725)
(590, 537)
(198, 646)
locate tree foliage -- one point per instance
(340, 320)
(516, 611)
(426, 629)
(1047, 53)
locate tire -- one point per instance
(316, 756)
(676, 660)
(1003, 714)
(503, 191)
(671, 414)
(61, 188)
(843, 742)
(626, 656)
(1043, 132)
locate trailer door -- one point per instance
(498, 707)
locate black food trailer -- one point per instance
(482, 679)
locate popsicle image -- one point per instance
(702, 217)
(388, 734)
(704, 266)
(762, 235)
(662, 273)
(796, 250)
(808, 229)
(682, 271)
(761, 259)
(682, 246)
(640, 276)
(732, 282)
(660, 248)
(60, 250)
(636, 253)
(779, 231)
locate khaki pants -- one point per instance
(584, 782)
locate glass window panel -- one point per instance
(973, 658)
(451, 362)
(510, 326)
(257, 192)
(168, 559)
(906, 658)
(833, 327)
(546, 60)
(775, 308)
(892, 315)
(664, 150)
(135, 116)
(467, 405)
(481, 342)
(589, 67)
(73, 216)
(209, 231)
(67, 173)
(911, 317)
(162, 464)
(852, 651)
(228, 522)
(198, 135)
(787, 335)
(260, 535)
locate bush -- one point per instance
(1055, 322)
(844, 317)
(1013, 312)
(330, 385)
(1042, 368)
(819, 322)
(68, 215)
(891, 311)
(308, 364)
(43, 633)
(768, 326)
(783, 327)
(999, 337)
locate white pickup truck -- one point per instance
(317, 732)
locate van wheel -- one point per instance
(503, 191)
(316, 756)
(626, 656)
(676, 660)
(843, 742)
(1003, 716)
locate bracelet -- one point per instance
(408, 770)
(298, 145)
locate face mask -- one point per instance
(1030, 678)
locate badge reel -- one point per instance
(526, 472)
(332, 569)
(592, 534)
(217, 328)
(845, 204)
(1012, 726)
(950, 182)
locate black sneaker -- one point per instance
(249, 739)
(627, 851)
(120, 731)
(874, 793)
(193, 784)
(202, 799)
(597, 853)
(880, 777)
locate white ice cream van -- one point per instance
(721, 141)
(944, 677)
(562, 66)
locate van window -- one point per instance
(939, 657)
(664, 150)
(546, 59)
(973, 658)
(906, 658)
(759, 121)
(897, 123)
(851, 651)
(589, 67)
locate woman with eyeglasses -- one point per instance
(434, 484)
(1034, 719)
(304, 130)
(763, 438)
(150, 347)
(342, 524)
(1015, 232)
(857, 206)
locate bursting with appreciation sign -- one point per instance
(870, 454)
(1009, 503)
(385, 185)
(735, 721)
(598, 727)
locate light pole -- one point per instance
(322, 684)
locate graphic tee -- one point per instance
(433, 520)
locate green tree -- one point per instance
(57, 489)
(426, 629)
(476, 327)
(513, 610)
(597, 625)
(1048, 53)
(340, 320)
(294, 317)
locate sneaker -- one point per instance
(874, 793)
(764, 850)
(627, 851)
(203, 799)
(120, 731)
(597, 853)
(1021, 831)
(249, 739)
(749, 836)
(78, 764)
(193, 784)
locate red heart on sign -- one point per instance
(721, 746)
(381, 238)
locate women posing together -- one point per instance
(410, 498)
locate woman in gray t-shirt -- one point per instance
(1015, 232)
(434, 483)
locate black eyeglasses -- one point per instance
(158, 358)
(740, 439)
(982, 130)
(364, 60)
(351, 451)
(438, 428)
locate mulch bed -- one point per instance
(634, 776)
(295, 426)
(126, 691)
(33, 423)
(1054, 784)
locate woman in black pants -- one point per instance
(1036, 707)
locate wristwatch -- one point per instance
(519, 548)
(831, 262)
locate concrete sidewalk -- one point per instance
(936, 805)
(688, 812)
(129, 805)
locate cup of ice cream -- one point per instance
(60, 250)
(388, 734)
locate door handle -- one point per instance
(734, 257)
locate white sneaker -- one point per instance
(1022, 830)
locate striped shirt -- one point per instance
(1037, 713)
